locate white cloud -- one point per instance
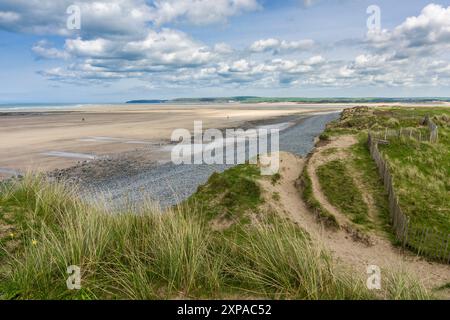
(44, 50)
(223, 48)
(276, 46)
(430, 27)
(315, 60)
(418, 34)
(199, 11)
(159, 52)
(412, 54)
(169, 47)
(96, 48)
(346, 72)
(265, 45)
(7, 17)
(365, 61)
(114, 18)
(406, 56)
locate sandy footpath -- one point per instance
(45, 140)
(353, 254)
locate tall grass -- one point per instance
(400, 285)
(156, 254)
(280, 261)
(323, 215)
(117, 253)
(342, 192)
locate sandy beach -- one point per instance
(42, 140)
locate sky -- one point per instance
(104, 51)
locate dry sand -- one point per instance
(353, 254)
(45, 140)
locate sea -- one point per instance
(11, 107)
(34, 106)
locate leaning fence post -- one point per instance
(448, 260)
(405, 231)
(446, 251)
(424, 240)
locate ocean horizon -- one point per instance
(47, 106)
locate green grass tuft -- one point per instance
(305, 186)
(231, 193)
(342, 192)
(163, 255)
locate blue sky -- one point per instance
(134, 49)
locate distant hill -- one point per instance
(147, 101)
(216, 99)
(254, 99)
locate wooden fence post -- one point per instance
(412, 237)
(405, 231)
(446, 251)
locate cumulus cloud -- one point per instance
(394, 55)
(84, 75)
(95, 48)
(223, 48)
(315, 60)
(430, 30)
(114, 17)
(43, 49)
(122, 39)
(8, 17)
(199, 11)
(277, 46)
(431, 27)
(165, 48)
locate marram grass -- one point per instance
(155, 254)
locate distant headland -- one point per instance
(255, 99)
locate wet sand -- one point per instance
(133, 179)
(43, 140)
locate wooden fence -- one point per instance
(432, 128)
(408, 133)
(429, 134)
(424, 241)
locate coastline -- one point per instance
(36, 109)
(48, 140)
(131, 179)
